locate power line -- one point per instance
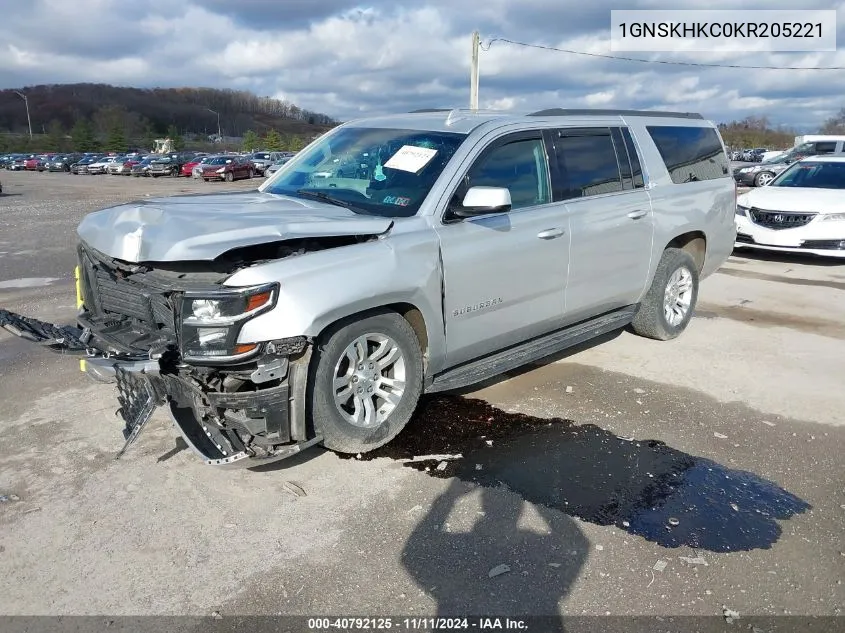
(654, 61)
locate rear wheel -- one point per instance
(668, 305)
(365, 382)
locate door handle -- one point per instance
(550, 234)
(639, 213)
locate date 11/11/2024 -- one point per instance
(415, 624)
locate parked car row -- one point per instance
(754, 155)
(224, 166)
(764, 173)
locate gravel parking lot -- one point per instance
(626, 477)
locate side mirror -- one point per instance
(484, 200)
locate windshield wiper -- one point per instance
(327, 197)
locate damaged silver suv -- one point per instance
(391, 257)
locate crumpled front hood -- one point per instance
(203, 227)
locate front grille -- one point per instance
(114, 295)
(780, 219)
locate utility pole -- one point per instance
(219, 135)
(28, 120)
(473, 77)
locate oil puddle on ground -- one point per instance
(782, 279)
(766, 318)
(642, 486)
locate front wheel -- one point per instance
(365, 382)
(763, 178)
(230, 176)
(668, 305)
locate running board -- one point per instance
(535, 349)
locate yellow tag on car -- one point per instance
(78, 288)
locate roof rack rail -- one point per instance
(426, 110)
(587, 112)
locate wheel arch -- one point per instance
(408, 311)
(694, 243)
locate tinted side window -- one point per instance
(690, 153)
(586, 160)
(825, 147)
(520, 166)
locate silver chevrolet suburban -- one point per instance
(393, 256)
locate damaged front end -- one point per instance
(167, 335)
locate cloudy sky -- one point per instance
(348, 58)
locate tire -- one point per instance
(337, 422)
(230, 176)
(763, 178)
(651, 320)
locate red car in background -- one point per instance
(226, 168)
(31, 163)
(188, 168)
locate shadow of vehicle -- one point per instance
(644, 487)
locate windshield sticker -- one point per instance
(397, 200)
(411, 158)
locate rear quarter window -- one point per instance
(691, 154)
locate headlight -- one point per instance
(833, 217)
(211, 321)
(221, 170)
(743, 211)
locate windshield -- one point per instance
(218, 160)
(813, 175)
(373, 171)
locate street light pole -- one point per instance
(473, 76)
(26, 102)
(219, 134)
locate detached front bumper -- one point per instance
(201, 416)
(261, 423)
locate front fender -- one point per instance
(322, 287)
